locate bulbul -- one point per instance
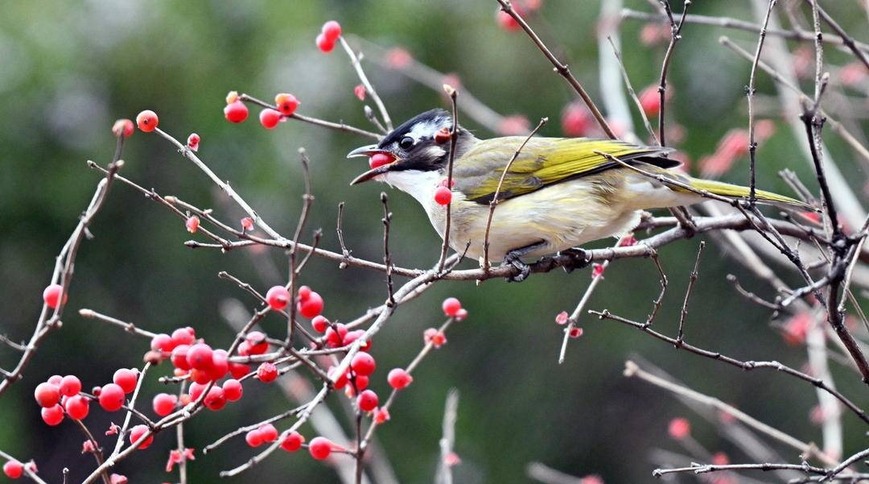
(558, 193)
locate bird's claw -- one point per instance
(573, 258)
(515, 262)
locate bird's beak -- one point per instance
(369, 151)
(364, 151)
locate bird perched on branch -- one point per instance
(557, 194)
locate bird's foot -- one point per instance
(513, 260)
(573, 258)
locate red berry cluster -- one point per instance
(309, 304)
(202, 365)
(62, 397)
(329, 34)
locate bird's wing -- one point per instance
(541, 162)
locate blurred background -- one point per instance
(69, 69)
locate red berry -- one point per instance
(650, 100)
(214, 399)
(331, 30)
(367, 400)
(292, 441)
(199, 356)
(443, 195)
(247, 224)
(268, 432)
(352, 336)
(361, 382)
(310, 306)
(380, 159)
(111, 397)
(70, 385)
(253, 438)
(232, 390)
(399, 378)
(162, 342)
(278, 297)
(183, 336)
(123, 127)
(55, 380)
(219, 365)
(257, 343)
(77, 407)
(192, 224)
(126, 379)
(238, 370)
(179, 357)
(47, 394)
(164, 404)
(335, 335)
(137, 432)
(269, 118)
(147, 120)
(575, 120)
(52, 415)
(339, 382)
(363, 364)
(679, 428)
(324, 44)
(381, 415)
(320, 323)
(267, 372)
(13, 469)
(286, 103)
(320, 448)
(235, 112)
(51, 296)
(506, 22)
(304, 292)
(451, 306)
(461, 314)
(359, 91)
(196, 390)
(434, 337)
(193, 141)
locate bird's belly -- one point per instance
(554, 218)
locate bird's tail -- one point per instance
(737, 191)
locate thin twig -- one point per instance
(695, 273)
(744, 365)
(749, 93)
(560, 68)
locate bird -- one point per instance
(556, 195)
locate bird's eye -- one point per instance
(406, 143)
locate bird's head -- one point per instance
(420, 144)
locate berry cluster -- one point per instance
(329, 34)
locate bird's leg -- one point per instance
(573, 258)
(514, 259)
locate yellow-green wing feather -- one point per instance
(541, 162)
(737, 191)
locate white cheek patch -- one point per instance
(433, 152)
(427, 128)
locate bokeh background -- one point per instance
(69, 69)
